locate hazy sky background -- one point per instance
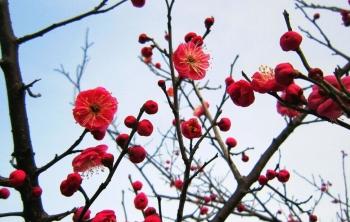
(249, 28)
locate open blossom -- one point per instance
(90, 158)
(264, 81)
(199, 110)
(95, 108)
(190, 61)
(320, 102)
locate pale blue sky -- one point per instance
(249, 28)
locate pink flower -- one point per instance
(105, 216)
(190, 61)
(199, 110)
(320, 102)
(95, 108)
(89, 158)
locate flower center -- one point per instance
(95, 108)
(191, 60)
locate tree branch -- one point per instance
(99, 9)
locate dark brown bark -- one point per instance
(23, 151)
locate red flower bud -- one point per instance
(224, 124)
(316, 16)
(283, 176)
(150, 211)
(107, 160)
(98, 134)
(207, 199)
(197, 40)
(145, 128)
(294, 95)
(178, 184)
(345, 16)
(241, 93)
(138, 3)
(137, 154)
(137, 185)
(312, 218)
(17, 178)
(262, 180)
(245, 158)
(78, 212)
(4, 193)
(161, 83)
(37, 191)
(130, 121)
(122, 139)
(70, 185)
(150, 107)
(228, 81)
(147, 52)
(208, 22)
(157, 65)
(284, 74)
(143, 38)
(203, 210)
(141, 201)
(105, 215)
(240, 207)
(166, 36)
(271, 174)
(315, 74)
(189, 36)
(231, 142)
(153, 218)
(290, 41)
(191, 128)
(213, 196)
